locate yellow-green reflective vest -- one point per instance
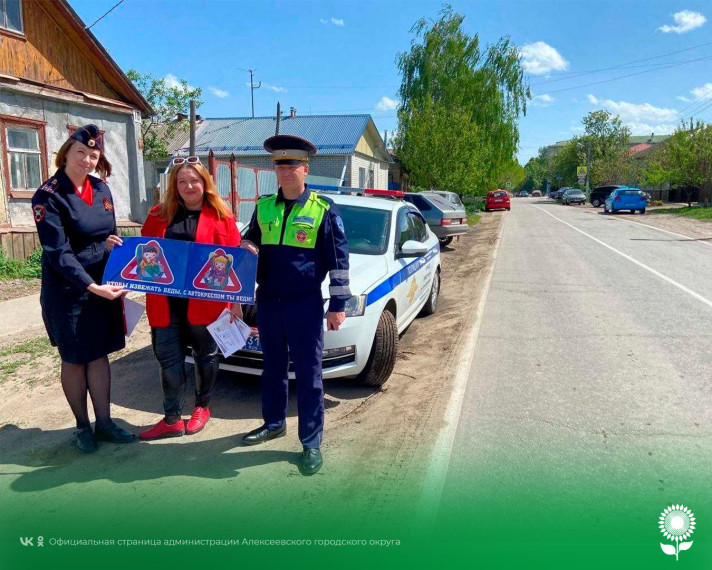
(301, 227)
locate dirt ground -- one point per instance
(376, 442)
(14, 288)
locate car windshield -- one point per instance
(367, 229)
(498, 194)
(575, 193)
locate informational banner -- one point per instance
(183, 269)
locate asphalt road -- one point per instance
(588, 404)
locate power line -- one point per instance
(105, 14)
(622, 65)
(627, 75)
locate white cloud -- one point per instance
(270, 87)
(685, 21)
(702, 92)
(386, 104)
(646, 129)
(335, 21)
(219, 92)
(635, 112)
(172, 81)
(540, 58)
(542, 100)
(275, 88)
(683, 98)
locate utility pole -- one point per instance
(252, 91)
(192, 128)
(588, 169)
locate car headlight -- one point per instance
(355, 306)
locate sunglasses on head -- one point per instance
(189, 160)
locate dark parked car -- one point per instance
(573, 196)
(600, 193)
(444, 218)
(556, 195)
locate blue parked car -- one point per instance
(625, 198)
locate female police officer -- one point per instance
(74, 213)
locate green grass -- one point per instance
(696, 212)
(29, 268)
(473, 219)
(24, 352)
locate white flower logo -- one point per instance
(677, 523)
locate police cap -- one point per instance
(90, 136)
(288, 149)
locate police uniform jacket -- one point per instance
(210, 229)
(285, 270)
(82, 325)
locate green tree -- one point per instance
(685, 159)
(608, 139)
(167, 102)
(537, 172)
(459, 107)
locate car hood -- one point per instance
(364, 272)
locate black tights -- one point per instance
(94, 377)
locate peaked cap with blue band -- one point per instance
(89, 135)
(288, 149)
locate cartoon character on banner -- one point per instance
(220, 265)
(148, 257)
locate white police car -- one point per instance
(394, 276)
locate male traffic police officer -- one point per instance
(300, 237)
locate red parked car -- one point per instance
(497, 200)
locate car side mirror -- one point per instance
(413, 248)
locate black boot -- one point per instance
(310, 461)
(85, 440)
(262, 434)
(112, 433)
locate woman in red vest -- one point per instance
(191, 210)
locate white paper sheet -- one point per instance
(132, 315)
(230, 337)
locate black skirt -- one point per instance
(82, 325)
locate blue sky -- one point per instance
(340, 57)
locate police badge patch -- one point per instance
(340, 224)
(301, 236)
(39, 211)
(108, 206)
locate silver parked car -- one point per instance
(445, 219)
(451, 197)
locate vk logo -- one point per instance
(26, 541)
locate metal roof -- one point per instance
(243, 136)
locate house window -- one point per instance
(11, 15)
(362, 178)
(25, 158)
(24, 155)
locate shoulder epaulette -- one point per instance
(49, 185)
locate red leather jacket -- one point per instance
(210, 230)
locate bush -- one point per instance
(30, 268)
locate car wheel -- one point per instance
(642, 211)
(508, 209)
(596, 203)
(383, 354)
(432, 304)
(445, 241)
(487, 209)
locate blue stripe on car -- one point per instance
(390, 283)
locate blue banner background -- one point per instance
(183, 269)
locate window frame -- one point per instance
(3, 17)
(39, 126)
